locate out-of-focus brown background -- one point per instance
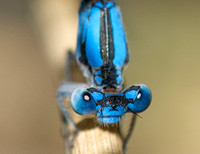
(163, 38)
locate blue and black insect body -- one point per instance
(102, 54)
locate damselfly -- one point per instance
(102, 54)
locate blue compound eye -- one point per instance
(142, 100)
(82, 102)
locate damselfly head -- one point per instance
(109, 107)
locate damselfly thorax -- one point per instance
(102, 51)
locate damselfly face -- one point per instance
(110, 107)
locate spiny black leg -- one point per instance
(68, 66)
(67, 120)
(125, 142)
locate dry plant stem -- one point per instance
(93, 137)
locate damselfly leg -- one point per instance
(64, 94)
(126, 139)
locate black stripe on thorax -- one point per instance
(106, 37)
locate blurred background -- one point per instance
(163, 38)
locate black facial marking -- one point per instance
(94, 90)
(131, 88)
(114, 101)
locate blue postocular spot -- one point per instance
(98, 79)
